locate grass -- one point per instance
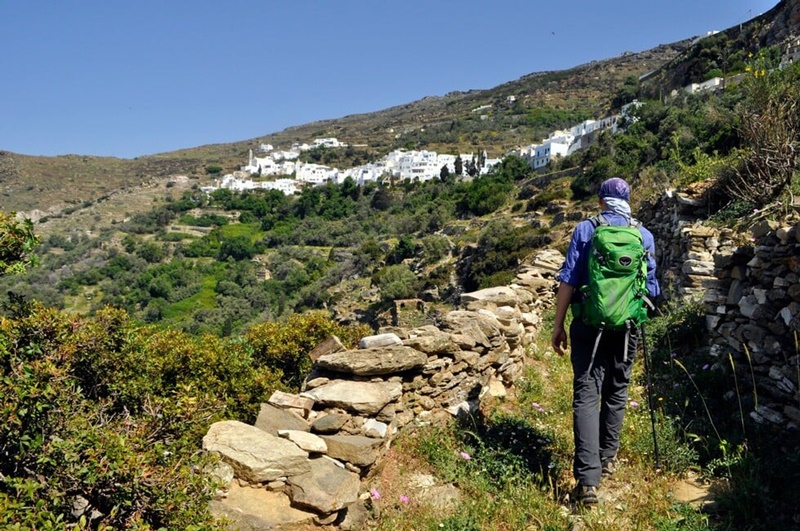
(250, 230)
(205, 298)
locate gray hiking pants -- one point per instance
(599, 396)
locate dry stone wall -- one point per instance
(750, 286)
(309, 454)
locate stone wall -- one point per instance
(750, 286)
(308, 455)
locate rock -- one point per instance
(501, 296)
(305, 441)
(375, 429)
(330, 423)
(325, 488)
(272, 418)
(259, 509)
(364, 398)
(355, 449)
(355, 518)
(255, 455)
(431, 340)
(374, 361)
(223, 474)
(287, 400)
(380, 340)
(329, 346)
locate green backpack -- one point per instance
(616, 294)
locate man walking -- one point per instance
(601, 359)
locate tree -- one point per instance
(236, 247)
(444, 173)
(472, 168)
(459, 166)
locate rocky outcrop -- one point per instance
(314, 450)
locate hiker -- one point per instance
(601, 359)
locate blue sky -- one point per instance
(124, 79)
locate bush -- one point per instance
(397, 282)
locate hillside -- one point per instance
(158, 309)
(544, 101)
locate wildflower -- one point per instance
(541, 410)
(634, 403)
(375, 494)
(404, 498)
(674, 355)
(706, 366)
(466, 456)
(535, 405)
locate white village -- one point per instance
(400, 165)
(291, 175)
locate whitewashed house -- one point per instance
(315, 173)
(710, 84)
(556, 145)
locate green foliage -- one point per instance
(397, 282)
(284, 347)
(486, 194)
(501, 248)
(213, 169)
(17, 241)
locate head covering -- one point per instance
(615, 188)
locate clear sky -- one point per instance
(138, 77)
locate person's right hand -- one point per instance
(559, 341)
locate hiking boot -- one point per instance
(609, 466)
(585, 495)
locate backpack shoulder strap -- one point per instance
(598, 220)
(633, 222)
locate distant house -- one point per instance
(792, 52)
(710, 84)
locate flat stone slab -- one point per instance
(325, 488)
(355, 449)
(374, 361)
(255, 455)
(305, 440)
(365, 398)
(259, 509)
(288, 400)
(273, 418)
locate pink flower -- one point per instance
(466, 456)
(404, 498)
(375, 494)
(634, 403)
(535, 405)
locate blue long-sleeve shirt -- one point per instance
(575, 270)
